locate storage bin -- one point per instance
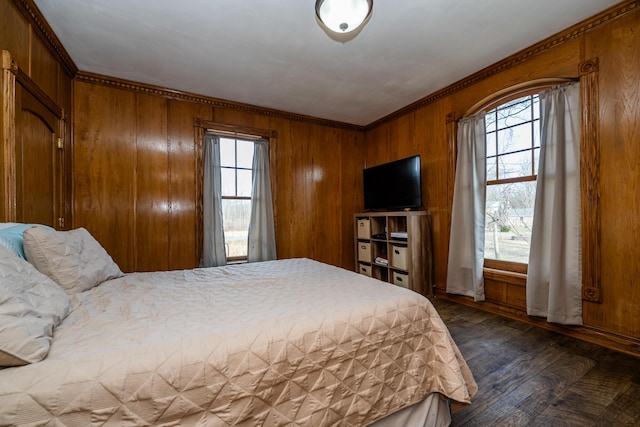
(364, 228)
(365, 269)
(401, 279)
(364, 251)
(399, 257)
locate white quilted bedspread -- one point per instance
(290, 342)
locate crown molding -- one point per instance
(116, 83)
(30, 11)
(557, 39)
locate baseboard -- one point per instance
(613, 341)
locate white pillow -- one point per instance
(73, 259)
(31, 306)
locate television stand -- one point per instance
(395, 247)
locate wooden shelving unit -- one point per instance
(409, 259)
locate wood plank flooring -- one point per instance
(528, 376)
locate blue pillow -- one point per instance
(9, 244)
(12, 239)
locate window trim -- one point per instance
(512, 92)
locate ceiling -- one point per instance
(274, 54)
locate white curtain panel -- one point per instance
(262, 235)
(554, 279)
(466, 243)
(213, 253)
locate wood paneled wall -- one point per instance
(422, 129)
(134, 178)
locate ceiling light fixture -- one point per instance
(343, 16)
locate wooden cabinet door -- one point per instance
(32, 162)
(38, 161)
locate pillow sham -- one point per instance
(73, 259)
(10, 245)
(12, 237)
(31, 306)
(4, 225)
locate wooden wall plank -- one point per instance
(376, 141)
(433, 147)
(301, 241)
(104, 159)
(324, 183)
(352, 156)
(182, 203)
(14, 33)
(152, 185)
(285, 206)
(43, 68)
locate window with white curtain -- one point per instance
(512, 152)
(236, 160)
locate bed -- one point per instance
(287, 342)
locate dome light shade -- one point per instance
(343, 16)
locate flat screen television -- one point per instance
(395, 185)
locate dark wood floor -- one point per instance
(528, 376)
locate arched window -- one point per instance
(496, 144)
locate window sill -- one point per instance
(510, 277)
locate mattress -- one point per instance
(289, 342)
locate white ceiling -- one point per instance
(272, 53)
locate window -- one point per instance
(513, 149)
(236, 160)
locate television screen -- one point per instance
(394, 185)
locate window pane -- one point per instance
(536, 107)
(228, 177)
(244, 182)
(521, 112)
(536, 157)
(514, 112)
(509, 218)
(235, 216)
(245, 154)
(515, 138)
(227, 152)
(491, 144)
(490, 121)
(515, 165)
(491, 169)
